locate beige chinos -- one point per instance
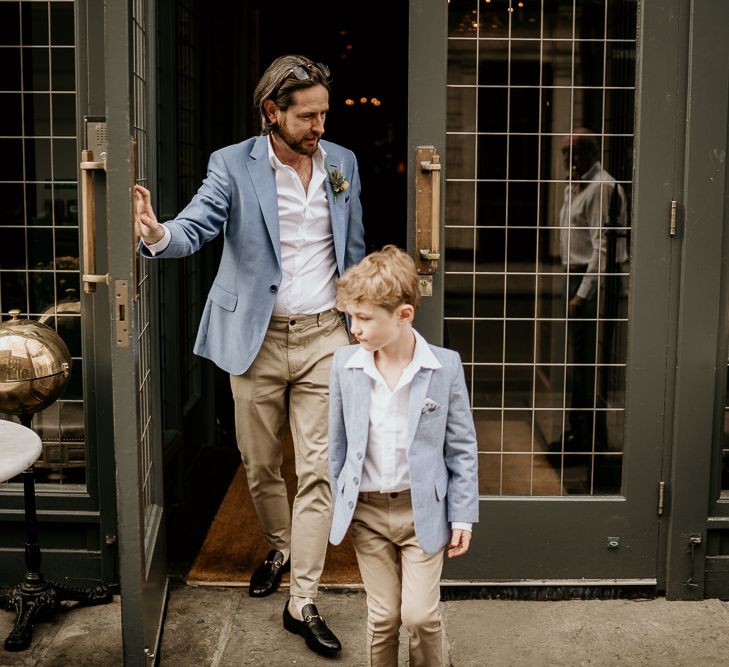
(401, 580)
(290, 378)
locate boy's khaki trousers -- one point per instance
(401, 580)
(289, 378)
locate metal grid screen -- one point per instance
(39, 235)
(144, 330)
(539, 162)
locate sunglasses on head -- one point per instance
(303, 72)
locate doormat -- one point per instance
(539, 593)
(235, 546)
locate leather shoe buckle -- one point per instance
(309, 617)
(275, 563)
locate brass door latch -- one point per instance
(427, 215)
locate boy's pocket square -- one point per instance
(429, 406)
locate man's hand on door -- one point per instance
(145, 221)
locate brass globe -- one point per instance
(35, 365)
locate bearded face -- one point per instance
(301, 125)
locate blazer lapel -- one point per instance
(359, 409)
(264, 183)
(418, 392)
(339, 223)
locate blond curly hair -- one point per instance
(386, 278)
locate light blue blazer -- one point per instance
(442, 451)
(238, 197)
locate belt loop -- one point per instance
(318, 317)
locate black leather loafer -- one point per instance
(267, 576)
(319, 638)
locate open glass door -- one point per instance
(536, 101)
(117, 135)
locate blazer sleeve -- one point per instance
(337, 438)
(203, 218)
(461, 451)
(355, 246)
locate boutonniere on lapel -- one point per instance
(338, 182)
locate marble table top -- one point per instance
(19, 448)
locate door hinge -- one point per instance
(661, 497)
(674, 216)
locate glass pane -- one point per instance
(11, 204)
(63, 68)
(10, 115)
(62, 23)
(39, 248)
(553, 157)
(37, 114)
(35, 23)
(9, 24)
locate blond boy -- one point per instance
(402, 457)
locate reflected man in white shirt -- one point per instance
(287, 204)
(593, 202)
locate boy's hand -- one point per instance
(145, 221)
(460, 539)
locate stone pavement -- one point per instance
(221, 627)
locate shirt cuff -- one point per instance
(460, 525)
(584, 291)
(161, 245)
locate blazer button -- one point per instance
(350, 504)
(274, 288)
(356, 480)
(359, 456)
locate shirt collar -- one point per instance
(593, 171)
(423, 357)
(318, 157)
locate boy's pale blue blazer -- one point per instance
(442, 452)
(238, 197)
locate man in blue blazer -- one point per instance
(288, 207)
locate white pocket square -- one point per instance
(429, 406)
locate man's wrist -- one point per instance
(462, 525)
(159, 246)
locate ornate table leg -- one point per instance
(35, 599)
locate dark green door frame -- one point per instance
(428, 63)
(702, 201)
(129, 30)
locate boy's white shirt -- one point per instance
(385, 468)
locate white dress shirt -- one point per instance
(385, 468)
(583, 220)
(308, 261)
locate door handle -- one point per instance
(88, 221)
(427, 215)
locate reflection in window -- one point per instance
(539, 167)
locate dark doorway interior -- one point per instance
(208, 65)
(366, 48)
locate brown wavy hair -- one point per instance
(279, 84)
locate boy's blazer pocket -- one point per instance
(429, 406)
